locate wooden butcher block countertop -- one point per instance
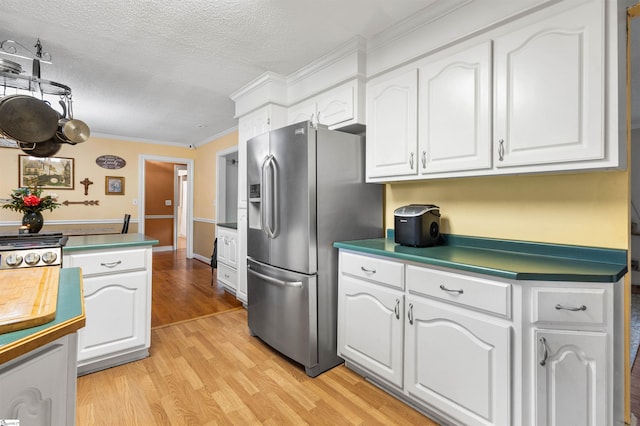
(28, 297)
(69, 308)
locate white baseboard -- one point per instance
(162, 248)
(202, 258)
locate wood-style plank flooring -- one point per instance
(182, 290)
(209, 371)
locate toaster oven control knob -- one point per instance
(49, 257)
(32, 259)
(14, 260)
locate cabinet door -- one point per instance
(241, 292)
(455, 112)
(571, 378)
(39, 388)
(392, 125)
(302, 112)
(370, 327)
(458, 362)
(336, 106)
(549, 85)
(117, 316)
(223, 247)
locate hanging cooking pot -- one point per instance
(47, 148)
(27, 119)
(71, 130)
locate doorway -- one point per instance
(227, 185)
(180, 200)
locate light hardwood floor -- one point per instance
(209, 371)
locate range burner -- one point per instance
(31, 250)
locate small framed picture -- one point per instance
(114, 185)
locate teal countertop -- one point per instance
(232, 225)
(517, 260)
(93, 242)
(69, 318)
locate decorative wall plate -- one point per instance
(111, 162)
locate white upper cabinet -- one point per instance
(253, 124)
(331, 108)
(528, 96)
(454, 104)
(549, 80)
(392, 130)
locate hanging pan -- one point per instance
(47, 148)
(71, 130)
(27, 119)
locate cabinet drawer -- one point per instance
(583, 306)
(108, 262)
(484, 295)
(227, 275)
(370, 268)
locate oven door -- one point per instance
(282, 310)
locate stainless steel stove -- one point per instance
(31, 250)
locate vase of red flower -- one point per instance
(31, 203)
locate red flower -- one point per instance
(31, 200)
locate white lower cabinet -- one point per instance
(228, 258)
(469, 349)
(116, 315)
(571, 378)
(39, 388)
(458, 362)
(371, 327)
(117, 300)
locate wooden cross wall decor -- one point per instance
(86, 182)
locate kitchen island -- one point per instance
(487, 332)
(116, 270)
(38, 364)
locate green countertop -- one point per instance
(231, 225)
(93, 242)
(69, 318)
(518, 260)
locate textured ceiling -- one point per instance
(162, 71)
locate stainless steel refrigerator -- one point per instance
(306, 190)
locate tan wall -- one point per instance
(584, 209)
(110, 206)
(159, 187)
(205, 194)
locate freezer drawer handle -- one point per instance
(111, 264)
(273, 280)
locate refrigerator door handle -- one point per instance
(275, 199)
(272, 280)
(266, 195)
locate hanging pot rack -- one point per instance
(32, 83)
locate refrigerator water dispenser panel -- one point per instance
(254, 192)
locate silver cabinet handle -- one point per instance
(397, 309)
(573, 309)
(226, 275)
(368, 271)
(111, 264)
(411, 160)
(275, 281)
(424, 159)
(543, 361)
(443, 288)
(410, 314)
(501, 150)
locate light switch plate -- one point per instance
(167, 202)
